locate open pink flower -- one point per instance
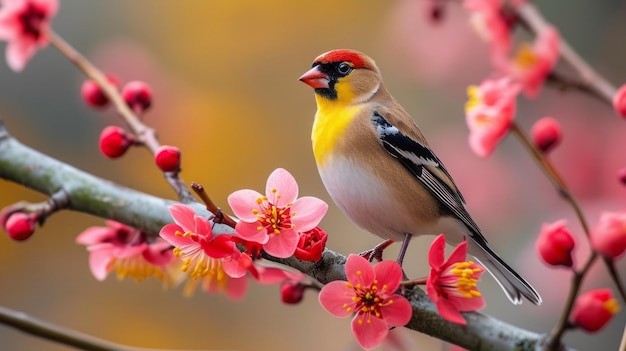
(531, 64)
(370, 292)
(489, 113)
(210, 260)
(451, 284)
(25, 25)
(608, 237)
(125, 249)
(275, 219)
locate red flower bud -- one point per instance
(292, 293)
(114, 141)
(555, 244)
(20, 226)
(619, 101)
(593, 309)
(167, 158)
(608, 237)
(93, 94)
(311, 245)
(137, 95)
(546, 133)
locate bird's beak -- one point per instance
(315, 78)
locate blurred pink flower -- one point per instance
(489, 113)
(25, 25)
(619, 101)
(555, 244)
(532, 64)
(370, 293)
(546, 133)
(451, 284)
(608, 237)
(212, 260)
(593, 309)
(487, 20)
(275, 219)
(125, 249)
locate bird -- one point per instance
(379, 169)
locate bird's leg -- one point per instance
(376, 253)
(404, 247)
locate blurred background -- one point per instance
(224, 76)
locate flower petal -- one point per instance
(389, 274)
(458, 254)
(334, 296)
(95, 235)
(251, 232)
(100, 258)
(437, 252)
(168, 233)
(184, 216)
(307, 212)
(399, 312)
(243, 202)
(202, 227)
(449, 312)
(282, 245)
(283, 183)
(359, 270)
(369, 331)
(236, 288)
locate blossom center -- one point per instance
(367, 301)
(462, 278)
(31, 20)
(525, 57)
(271, 217)
(137, 268)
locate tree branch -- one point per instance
(96, 196)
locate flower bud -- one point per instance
(608, 237)
(555, 244)
(593, 309)
(92, 93)
(311, 245)
(137, 95)
(292, 293)
(546, 133)
(167, 158)
(20, 226)
(619, 101)
(114, 141)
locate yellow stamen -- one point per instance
(525, 56)
(611, 305)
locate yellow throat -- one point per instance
(331, 121)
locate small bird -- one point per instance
(378, 168)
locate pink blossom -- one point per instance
(212, 261)
(555, 244)
(451, 284)
(275, 219)
(125, 249)
(25, 25)
(370, 293)
(546, 133)
(532, 64)
(608, 237)
(311, 245)
(487, 20)
(619, 101)
(489, 113)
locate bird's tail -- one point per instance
(510, 281)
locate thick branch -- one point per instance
(89, 194)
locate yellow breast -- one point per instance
(331, 121)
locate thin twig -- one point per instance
(145, 134)
(219, 216)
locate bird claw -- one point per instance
(376, 253)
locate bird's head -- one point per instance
(343, 75)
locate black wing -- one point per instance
(420, 160)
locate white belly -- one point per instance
(367, 201)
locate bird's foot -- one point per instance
(376, 253)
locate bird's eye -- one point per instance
(344, 68)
